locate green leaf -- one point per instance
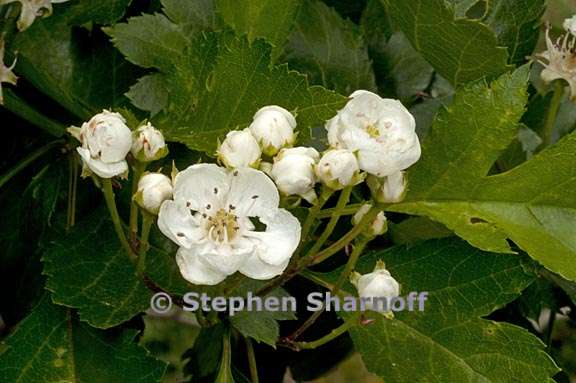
(271, 20)
(516, 25)
(149, 93)
(192, 16)
(150, 41)
(448, 341)
(262, 326)
(533, 204)
(329, 49)
(77, 68)
(216, 81)
(50, 345)
(97, 11)
(401, 71)
(89, 270)
(461, 50)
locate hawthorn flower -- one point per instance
(380, 131)
(559, 61)
(378, 226)
(6, 74)
(153, 189)
(106, 140)
(227, 221)
(293, 172)
(31, 9)
(570, 25)
(148, 144)
(377, 284)
(390, 189)
(239, 149)
(338, 168)
(273, 128)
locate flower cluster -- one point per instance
(227, 219)
(370, 136)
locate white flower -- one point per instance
(6, 74)
(377, 284)
(338, 168)
(293, 172)
(570, 25)
(380, 131)
(239, 149)
(390, 189)
(211, 219)
(148, 144)
(559, 61)
(153, 189)
(273, 128)
(106, 140)
(31, 9)
(378, 226)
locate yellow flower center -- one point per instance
(223, 226)
(372, 131)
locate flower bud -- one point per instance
(570, 25)
(106, 140)
(338, 168)
(378, 226)
(239, 150)
(153, 189)
(390, 189)
(273, 128)
(377, 284)
(293, 172)
(149, 144)
(380, 131)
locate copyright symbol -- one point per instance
(161, 303)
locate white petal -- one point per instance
(102, 169)
(202, 187)
(252, 193)
(276, 245)
(195, 271)
(256, 269)
(176, 222)
(226, 258)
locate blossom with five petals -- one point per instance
(217, 218)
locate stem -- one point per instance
(552, 113)
(20, 108)
(351, 264)
(147, 222)
(225, 373)
(325, 339)
(72, 190)
(111, 204)
(340, 205)
(28, 160)
(313, 213)
(346, 239)
(335, 289)
(139, 168)
(348, 210)
(251, 360)
(306, 325)
(550, 329)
